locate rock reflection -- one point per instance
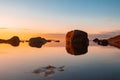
(33, 42)
(101, 42)
(77, 42)
(48, 70)
(39, 41)
(114, 41)
(14, 41)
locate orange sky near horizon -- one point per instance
(58, 16)
(25, 34)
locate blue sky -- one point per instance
(60, 16)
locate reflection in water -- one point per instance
(48, 70)
(77, 42)
(33, 42)
(101, 42)
(102, 62)
(39, 41)
(14, 41)
(114, 41)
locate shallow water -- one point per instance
(99, 63)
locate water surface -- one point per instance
(99, 63)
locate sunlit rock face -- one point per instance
(37, 42)
(77, 42)
(114, 41)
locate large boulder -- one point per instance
(77, 42)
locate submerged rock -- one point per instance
(77, 42)
(48, 71)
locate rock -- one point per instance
(37, 42)
(48, 71)
(14, 41)
(77, 42)
(114, 41)
(101, 42)
(96, 40)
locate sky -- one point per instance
(59, 16)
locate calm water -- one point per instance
(19, 63)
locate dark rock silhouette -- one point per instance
(33, 42)
(96, 40)
(39, 41)
(77, 42)
(14, 41)
(114, 41)
(101, 42)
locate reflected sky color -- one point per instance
(18, 63)
(59, 16)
